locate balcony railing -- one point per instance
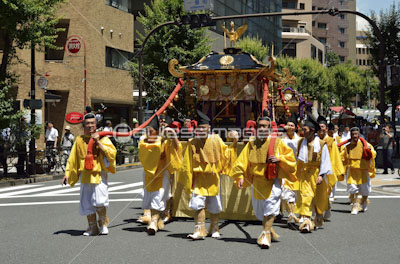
(295, 30)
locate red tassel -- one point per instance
(89, 161)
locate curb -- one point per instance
(45, 178)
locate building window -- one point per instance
(341, 44)
(369, 62)
(363, 51)
(302, 6)
(341, 2)
(356, 61)
(342, 16)
(313, 23)
(341, 58)
(322, 25)
(364, 63)
(313, 8)
(289, 49)
(58, 54)
(342, 30)
(117, 58)
(367, 50)
(322, 40)
(289, 4)
(320, 56)
(313, 52)
(124, 5)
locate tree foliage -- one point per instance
(332, 59)
(254, 46)
(174, 42)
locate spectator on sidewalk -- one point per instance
(108, 126)
(51, 141)
(4, 143)
(68, 140)
(386, 142)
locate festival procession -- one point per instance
(245, 145)
(290, 160)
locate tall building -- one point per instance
(363, 58)
(337, 32)
(105, 30)
(297, 32)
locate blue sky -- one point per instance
(365, 6)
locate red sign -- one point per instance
(74, 45)
(74, 117)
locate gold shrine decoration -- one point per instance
(171, 68)
(289, 78)
(233, 34)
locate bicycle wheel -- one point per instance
(63, 161)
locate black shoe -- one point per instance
(385, 172)
(392, 171)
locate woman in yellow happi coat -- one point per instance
(359, 170)
(251, 168)
(159, 158)
(205, 158)
(313, 166)
(94, 182)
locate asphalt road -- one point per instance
(40, 223)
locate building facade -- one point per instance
(106, 32)
(297, 32)
(337, 32)
(363, 58)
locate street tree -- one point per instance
(254, 46)
(332, 59)
(174, 42)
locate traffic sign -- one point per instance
(382, 108)
(198, 5)
(42, 82)
(73, 45)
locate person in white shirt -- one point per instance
(346, 133)
(51, 141)
(108, 126)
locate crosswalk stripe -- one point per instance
(25, 186)
(73, 189)
(66, 202)
(125, 186)
(32, 190)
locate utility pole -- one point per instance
(369, 93)
(31, 170)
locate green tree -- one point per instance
(174, 42)
(332, 59)
(254, 46)
(24, 23)
(312, 77)
(388, 22)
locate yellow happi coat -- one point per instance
(307, 173)
(358, 169)
(156, 158)
(76, 161)
(202, 164)
(336, 162)
(251, 165)
(287, 183)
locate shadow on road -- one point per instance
(341, 211)
(70, 232)
(136, 229)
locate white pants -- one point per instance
(93, 195)
(364, 189)
(157, 200)
(270, 206)
(289, 195)
(198, 202)
(332, 195)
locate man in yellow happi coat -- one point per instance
(94, 183)
(263, 163)
(205, 158)
(313, 166)
(337, 169)
(159, 158)
(290, 188)
(359, 162)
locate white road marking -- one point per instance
(374, 197)
(25, 186)
(51, 194)
(65, 202)
(58, 186)
(125, 186)
(73, 189)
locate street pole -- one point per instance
(140, 88)
(31, 170)
(369, 93)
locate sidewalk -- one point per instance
(58, 176)
(387, 182)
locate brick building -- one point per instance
(108, 32)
